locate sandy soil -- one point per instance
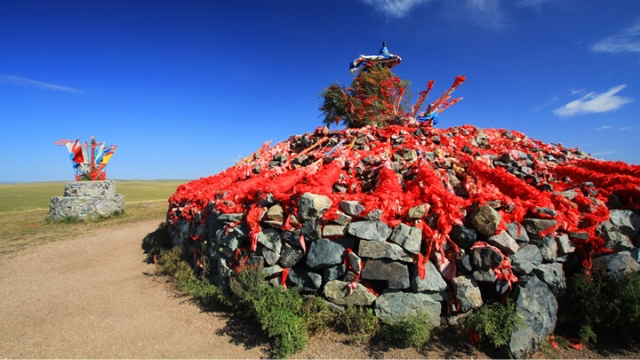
(95, 297)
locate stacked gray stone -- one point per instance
(344, 260)
(86, 200)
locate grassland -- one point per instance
(29, 196)
(24, 211)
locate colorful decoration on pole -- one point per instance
(375, 96)
(89, 160)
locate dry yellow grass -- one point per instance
(21, 229)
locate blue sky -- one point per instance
(185, 88)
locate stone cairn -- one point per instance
(86, 200)
(410, 219)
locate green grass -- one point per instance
(24, 210)
(22, 229)
(37, 195)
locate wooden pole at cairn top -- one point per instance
(92, 166)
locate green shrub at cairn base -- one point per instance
(276, 308)
(359, 323)
(374, 98)
(494, 323)
(602, 306)
(171, 262)
(407, 332)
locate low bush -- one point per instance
(318, 316)
(494, 322)
(276, 308)
(171, 263)
(407, 332)
(359, 323)
(602, 306)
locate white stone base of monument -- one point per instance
(85, 200)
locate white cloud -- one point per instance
(553, 99)
(595, 103)
(604, 127)
(626, 41)
(394, 8)
(486, 13)
(627, 128)
(16, 80)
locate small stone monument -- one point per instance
(91, 196)
(86, 200)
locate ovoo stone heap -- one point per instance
(85, 200)
(410, 219)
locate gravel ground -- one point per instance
(93, 298)
(96, 297)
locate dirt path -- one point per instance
(95, 297)
(90, 298)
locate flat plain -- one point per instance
(24, 211)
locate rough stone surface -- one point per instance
(333, 272)
(537, 308)
(342, 219)
(374, 214)
(290, 256)
(409, 237)
(234, 238)
(86, 200)
(334, 230)
(270, 257)
(464, 236)
(353, 208)
(393, 306)
(305, 280)
(418, 212)
(324, 253)
(518, 232)
(432, 282)
(270, 271)
(369, 230)
(548, 248)
(626, 221)
(486, 220)
(463, 264)
(617, 263)
(395, 273)
(311, 230)
(565, 245)
(231, 218)
(504, 242)
(271, 239)
(467, 293)
(312, 206)
(614, 237)
(338, 292)
(485, 257)
(90, 188)
(355, 261)
(382, 250)
(486, 275)
(526, 259)
(275, 213)
(536, 226)
(553, 276)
